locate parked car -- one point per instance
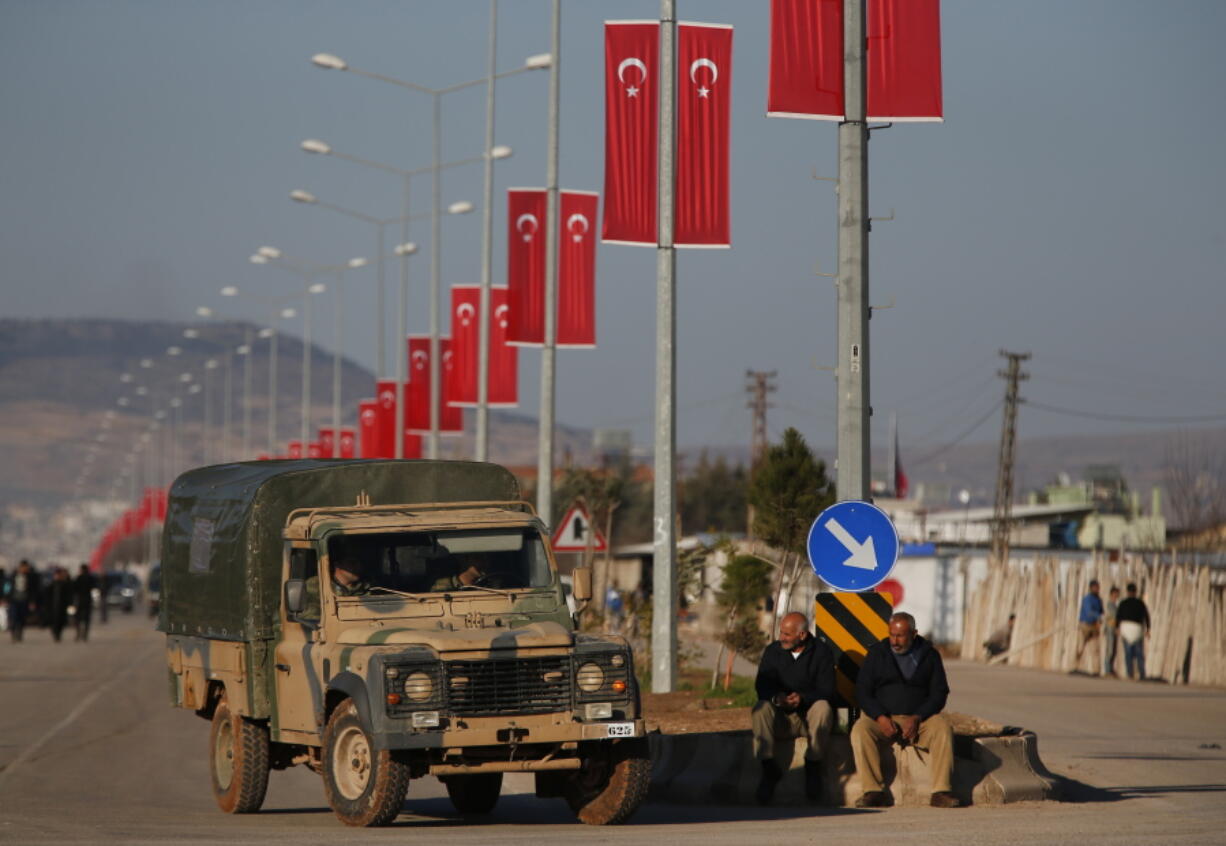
(123, 591)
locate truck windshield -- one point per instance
(434, 562)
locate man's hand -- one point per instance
(909, 726)
(792, 700)
(888, 727)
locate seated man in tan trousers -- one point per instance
(901, 691)
(795, 684)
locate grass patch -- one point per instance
(741, 692)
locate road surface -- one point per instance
(91, 752)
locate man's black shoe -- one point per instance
(945, 799)
(872, 799)
(813, 780)
(771, 775)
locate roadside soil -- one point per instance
(687, 711)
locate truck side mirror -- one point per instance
(582, 587)
(295, 596)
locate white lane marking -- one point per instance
(76, 712)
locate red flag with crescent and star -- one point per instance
(451, 419)
(461, 381)
(347, 442)
(503, 389)
(526, 265)
(294, 449)
(903, 60)
(385, 421)
(327, 442)
(704, 118)
(367, 416)
(451, 416)
(576, 325)
(632, 51)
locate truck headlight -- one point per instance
(418, 686)
(590, 677)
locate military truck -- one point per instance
(379, 621)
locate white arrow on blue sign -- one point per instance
(853, 545)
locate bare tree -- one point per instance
(1194, 474)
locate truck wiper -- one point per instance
(414, 596)
(499, 591)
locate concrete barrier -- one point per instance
(719, 768)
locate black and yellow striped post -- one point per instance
(850, 623)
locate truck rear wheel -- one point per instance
(365, 786)
(473, 795)
(612, 783)
(238, 761)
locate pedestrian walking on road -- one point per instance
(57, 602)
(795, 686)
(23, 599)
(1109, 631)
(1133, 619)
(1089, 619)
(901, 690)
(83, 599)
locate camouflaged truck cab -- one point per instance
(380, 621)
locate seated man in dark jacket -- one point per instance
(901, 691)
(795, 684)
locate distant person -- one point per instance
(1110, 631)
(347, 577)
(1133, 619)
(57, 601)
(83, 599)
(999, 640)
(4, 600)
(901, 690)
(1089, 619)
(795, 685)
(23, 599)
(613, 604)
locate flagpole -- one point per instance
(487, 249)
(664, 581)
(544, 461)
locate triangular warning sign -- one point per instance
(574, 531)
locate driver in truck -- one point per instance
(347, 577)
(468, 570)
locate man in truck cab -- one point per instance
(347, 576)
(467, 569)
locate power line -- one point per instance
(939, 451)
(1124, 418)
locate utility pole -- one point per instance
(853, 468)
(759, 385)
(1002, 512)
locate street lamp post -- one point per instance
(331, 62)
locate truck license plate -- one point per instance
(621, 729)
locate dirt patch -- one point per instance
(692, 708)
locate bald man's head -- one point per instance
(793, 630)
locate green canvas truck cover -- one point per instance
(222, 541)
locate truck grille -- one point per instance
(509, 686)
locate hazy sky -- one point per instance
(1071, 205)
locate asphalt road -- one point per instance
(91, 752)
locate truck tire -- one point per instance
(473, 795)
(612, 783)
(238, 761)
(364, 786)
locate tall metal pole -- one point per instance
(487, 249)
(436, 247)
(336, 360)
(304, 426)
(402, 312)
(226, 406)
(273, 393)
(248, 343)
(380, 342)
(206, 435)
(1002, 511)
(544, 458)
(853, 466)
(664, 568)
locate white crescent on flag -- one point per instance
(465, 312)
(420, 357)
(632, 62)
(570, 226)
(500, 314)
(703, 63)
(529, 218)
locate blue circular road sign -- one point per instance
(853, 545)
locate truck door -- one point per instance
(300, 690)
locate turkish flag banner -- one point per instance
(904, 60)
(526, 265)
(412, 444)
(314, 450)
(385, 418)
(704, 116)
(295, 449)
(576, 325)
(806, 59)
(631, 61)
(418, 418)
(368, 416)
(327, 442)
(461, 381)
(347, 442)
(503, 389)
(451, 416)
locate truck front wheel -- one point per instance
(238, 761)
(365, 786)
(473, 795)
(612, 783)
